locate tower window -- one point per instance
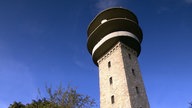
(110, 80)
(109, 64)
(112, 99)
(133, 72)
(129, 56)
(137, 90)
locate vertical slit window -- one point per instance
(133, 72)
(137, 90)
(129, 56)
(109, 64)
(110, 80)
(112, 99)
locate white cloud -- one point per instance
(103, 4)
(188, 1)
(163, 10)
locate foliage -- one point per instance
(60, 98)
(17, 105)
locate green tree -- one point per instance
(17, 105)
(41, 103)
(69, 98)
(60, 98)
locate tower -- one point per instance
(114, 39)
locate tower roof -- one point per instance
(111, 26)
(111, 13)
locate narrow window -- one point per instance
(112, 99)
(137, 90)
(129, 56)
(133, 72)
(109, 64)
(110, 80)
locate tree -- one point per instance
(41, 103)
(17, 105)
(69, 98)
(60, 98)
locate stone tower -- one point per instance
(114, 39)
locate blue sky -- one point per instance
(43, 42)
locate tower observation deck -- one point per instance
(111, 26)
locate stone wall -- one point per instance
(120, 87)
